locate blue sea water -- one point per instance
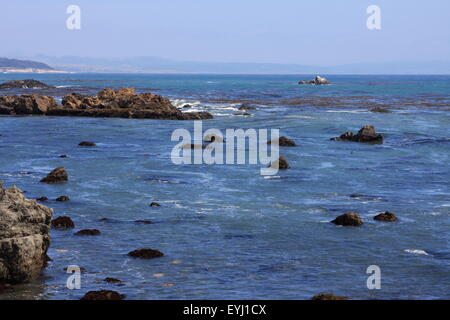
(226, 231)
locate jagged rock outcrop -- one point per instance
(108, 103)
(366, 134)
(26, 104)
(24, 236)
(58, 175)
(24, 84)
(317, 81)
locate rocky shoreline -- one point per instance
(108, 103)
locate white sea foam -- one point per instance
(417, 251)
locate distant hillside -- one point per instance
(23, 64)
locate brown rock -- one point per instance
(283, 142)
(42, 199)
(63, 222)
(146, 254)
(348, 219)
(366, 134)
(155, 204)
(386, 216)
(281, 164)
(26, 104)
(24, 236)
(58, 175)
(246, 107)
(62, 198)
(103, 295)
(88, 232)
(380, 110)
(144, 221)
(328, 296)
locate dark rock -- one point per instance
(104, 220)
(62, 198)
(103, 295)
(87, 144)
(88, 232)
(58, 175)
(144, 221)
(24, 84)
(348, 219)
(186, 106)
(42, 199)
(108, 103)
(328, 296)
(112, 280)
(63, 156)
(380, 110)
(386, 216)
(24, 236)
(26, 104)
(193, 146)
(155, 204)
(317, 81)
(243, 114)
(366, 134)
(281, 164)
(245, 107)
(146, 254)
(63, 222)
(284, 142)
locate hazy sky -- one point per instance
(324, 32)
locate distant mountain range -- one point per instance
(161, 65)
(23, 64)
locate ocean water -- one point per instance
(226, 231)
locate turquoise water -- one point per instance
(226, 231)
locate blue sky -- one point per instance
(325, 32)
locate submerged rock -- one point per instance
(386, 216)
(155, 204)
(146, 253)
(88, 232)
(328, 296)
(348, 219)
(366, 134)
(87, 144)
(283, 142)
(58, 175)
(317, 81)
(103, 295)
(25, 84)
(245, 107)
(63, 222)
(281, 164)
(24, 236)
(112, 280)
(143, 221)
(380, 110)
(62, 198)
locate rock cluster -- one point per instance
(317, 81)
(366, 134)
(24, 236)
(24, 84)
(108, 103)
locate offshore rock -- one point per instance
(24, 236)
